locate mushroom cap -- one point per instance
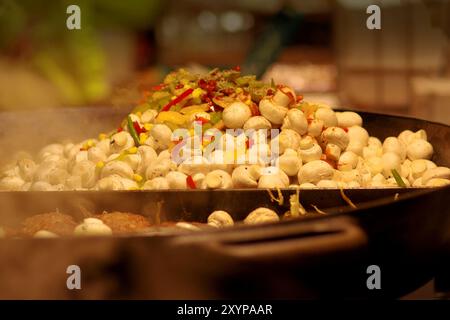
(336, 136)
(395, 145)
(438, 172)
(218, 179)
(272, 112)
(295, 120)
(257, 123)
(176, 180)
(419, 149)
(328, 117)
(261, 215)
(348, 119)
(219, 219)
(236, 114)
(315, 171)
(391, 161)
(245, 177)
(347, 161)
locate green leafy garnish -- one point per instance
(132, 131)
(398, 178)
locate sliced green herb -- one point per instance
(132, 131)
(398, 178)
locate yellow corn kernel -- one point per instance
(139, 114)
(239, 90)
(148, 126)
(100, 164)
(142, 138)
(102, 136)
(132, 150)
(138, 178)
(197, 93)
(248, 102)
(90, 143)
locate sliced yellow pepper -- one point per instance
(193, 109)
(172, 117)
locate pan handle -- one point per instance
(310, 240)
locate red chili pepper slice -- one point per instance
(159, 87)
(179, 86)
(237, 68)
(178, 99)
(201, 120)
(138, 128)
(190, 182)
(345, 129)
(119, 129)
(299, 97)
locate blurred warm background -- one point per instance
(321, 48)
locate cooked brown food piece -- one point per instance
(58, 223)
(124, 222)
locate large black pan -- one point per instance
(321, 255)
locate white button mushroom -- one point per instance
(27, 168)
(272, 111)
(147, 155)
(95, 154)
(159, 168)
(257, 123)
(358, 139)
(176, 180)
(104, 145)
(328, 117)
(246, 176)
(437, 182)
(391, 161)
(92, 227)
(327, 184)
(336, 136)
(121, 141)
(41, 186)
(196, 164)
(149, 116)
(112, 182)
(295, 120)
(419, 149)
(315, 127)
(86, 170)
(287, 139)
(11, 183)
(289, 162)
(374, 165)
(236, 114)
(315, 171)
(309, 150)
(418, 168)
(284, 96)
(307, 185)
(347, 161)
(51, 149)
(44, 234)
(405, 136)
(218, 179)
(273, 177)
(118, 168)
(438, 172)
(162, 136)
(348, 119)
(220, 219)
(332, 151)
(261, 215)
(392, 144)
(158, 183)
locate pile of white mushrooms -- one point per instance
(318, 148)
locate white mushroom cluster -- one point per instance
(315, 147)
